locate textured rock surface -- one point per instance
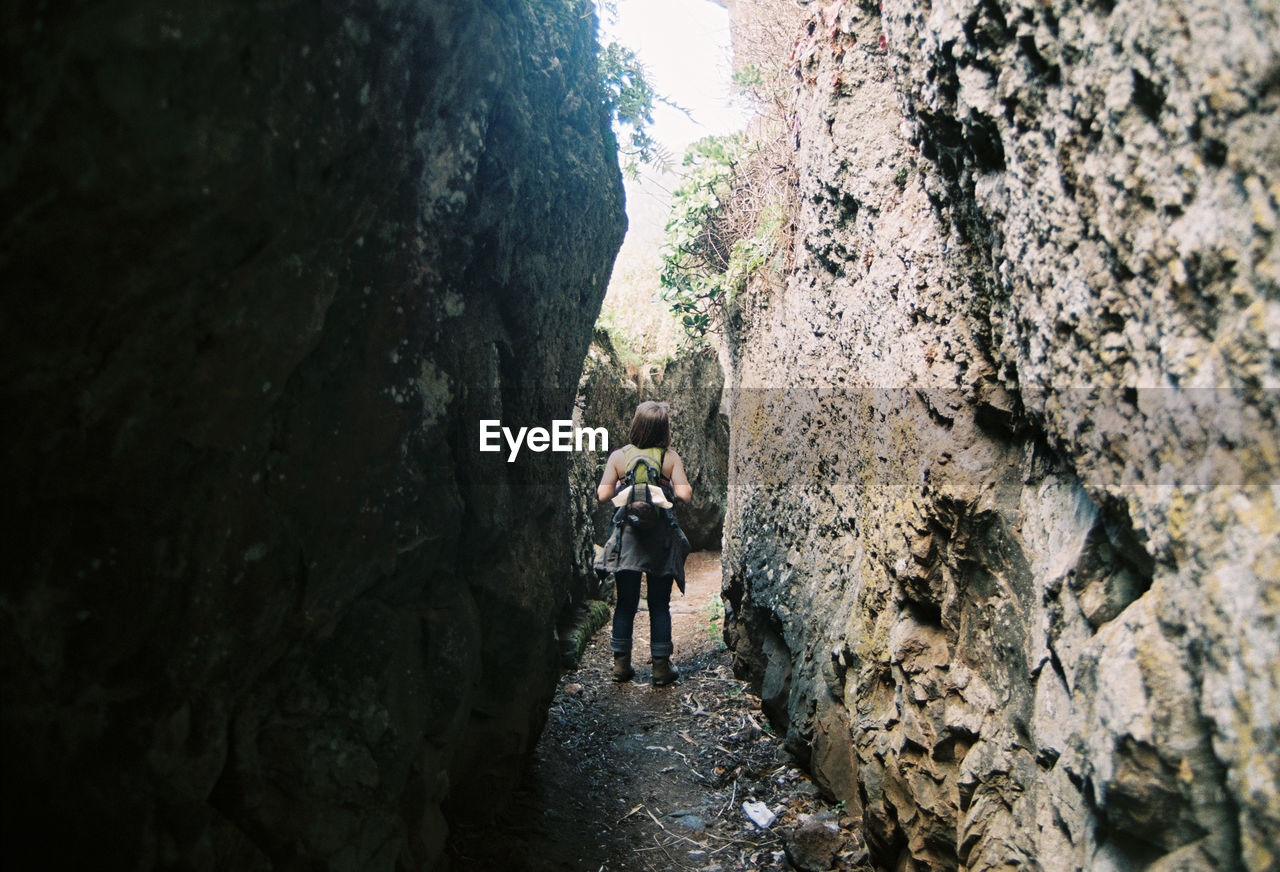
(1002, 534)
(266, 604)
(692, 385)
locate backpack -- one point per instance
(641, 472)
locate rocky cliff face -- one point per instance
(1002, 532)
(266, 604)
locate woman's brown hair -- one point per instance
(650, 427)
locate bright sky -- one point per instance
(685, 48)
(684, 45)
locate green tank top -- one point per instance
(642, 461)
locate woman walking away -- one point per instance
(643, 478)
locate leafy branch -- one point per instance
(630, 97)
(725, 224)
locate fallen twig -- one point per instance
(668, 853)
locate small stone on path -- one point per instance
(691, 822)
(812, 846)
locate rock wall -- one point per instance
(267, 266)
(1002, 534)
(693, 386)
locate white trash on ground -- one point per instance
(759, 814)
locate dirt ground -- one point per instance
(635, 778)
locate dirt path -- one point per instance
(633, 778)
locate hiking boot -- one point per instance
(663, 674)
(622, 670)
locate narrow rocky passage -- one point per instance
(633, 778)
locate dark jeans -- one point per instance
(624, 614)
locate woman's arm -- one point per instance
(606, 488)
(679, 481)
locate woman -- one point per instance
(658, 551)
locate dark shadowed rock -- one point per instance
(267, 266)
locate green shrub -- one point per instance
(724, 226)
